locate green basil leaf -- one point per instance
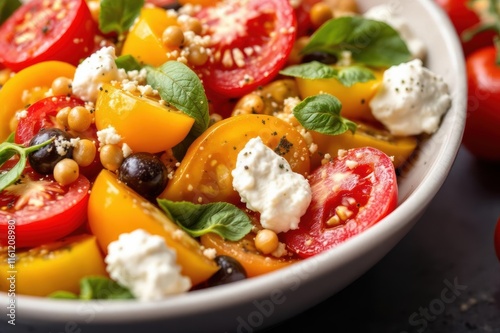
(7, 7)
(118, 15)
(372, 43)
(321, 113)
(128, 63)
(315, 70)
(99, 287)
(178, 85)
(9, 149)
(222, 218)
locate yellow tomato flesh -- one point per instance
(144, 40)
(204, 174)
(33, 81)
(143, 123)
(400, 148)
(51, 267)
(355, 99)
(254, 262)
(115, 209)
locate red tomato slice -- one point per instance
(43, 30)
(349, 195)
(42, 114)
(38, 210)
(251, 42)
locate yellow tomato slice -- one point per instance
(115, 209)
(254, 262)
(144, 40)
(32, 81)
(204, 174)
(355, 99)
(400, 148)
(59, 265)
(143, 123)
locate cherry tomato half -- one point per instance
(43, 30)
(481, 135)
(39, 210)
(251, 43)
(349, 195)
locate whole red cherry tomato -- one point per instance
(482, 134)
(463, 17)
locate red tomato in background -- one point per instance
(269, 26)
(42, 114)
(482, 127)
(40, 30)
(304, 24)
(463, 18)
(349, 195)
(496, 239)
(43, 210)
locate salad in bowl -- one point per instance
(155, 151)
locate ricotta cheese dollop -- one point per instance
(94, 71)
(411, 99)
(267, 184)
(145, 265)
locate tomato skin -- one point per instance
(269, 25)
(462, 17)
(481, 135)
(63, 208)
(363, 181)
(65, 34)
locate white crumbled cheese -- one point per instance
(267, 184)
(126, 150)
(94, 71)
(108, 136)
(387, 13)
(411, 99)
(21, 114)
(145, 265)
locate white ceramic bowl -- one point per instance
(257, 303)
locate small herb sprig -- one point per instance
(7, 150)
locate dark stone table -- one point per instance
(442, 277)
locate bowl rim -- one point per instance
(109, 312)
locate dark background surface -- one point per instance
(442, 277)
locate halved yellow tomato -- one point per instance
(400, 148)
(204, 174)
(143, 123)
(254, 262)
(144, 40)
(33, 82)
(59, 265)
(355, 99)
(115, 209)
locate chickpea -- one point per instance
(61, 86)
(295, 57)
(192, 24)
(62, 116)
(173, 37)
(79, 118)
(198, 55)
(320, 13)
(84, 152)
(251, 103)
(66, 171)
(266, 241)
(111, 157)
